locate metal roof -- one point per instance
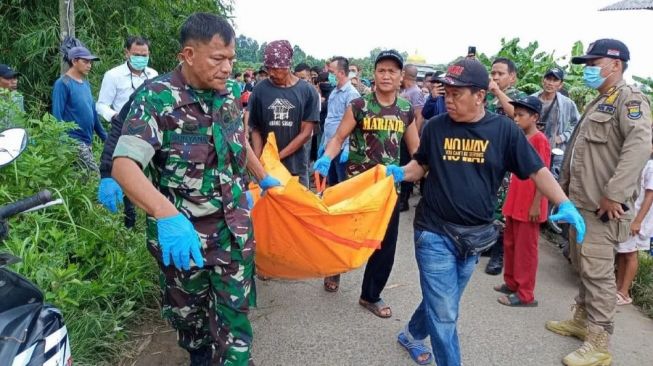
(630, 5)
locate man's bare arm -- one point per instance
(140, 190)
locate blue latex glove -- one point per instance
(322, 165)
(396, 172)
(268, 182)
(344, 156)
(320, 150)
(178, 239)
(250, 200)
(567, 212)
(110, 194)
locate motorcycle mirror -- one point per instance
(12, 143)
(557, 152)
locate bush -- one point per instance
(32, 46)
(87, 264)
(643, 285)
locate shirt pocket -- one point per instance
(599, 128)
(186, 167)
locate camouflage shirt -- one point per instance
(378, 133)
(493, 104)
(192, 146)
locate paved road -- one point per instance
(298, 323)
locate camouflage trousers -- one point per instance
(86, 160)
(209, 307)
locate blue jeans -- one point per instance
(443, 277)
(337, 171)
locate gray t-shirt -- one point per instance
(414, 96)
(282, 110)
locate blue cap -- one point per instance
(81, 52)
(7, 72)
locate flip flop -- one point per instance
(332, 283)
(514, 301)
(415, 349)
(376, 308)
(503, 288)
(623, 299)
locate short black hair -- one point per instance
(508, 62)
(138, 40)
(302, 66)
(316, 69)
(203, 27)
(428, 74)
(238, 74)
(342, 63)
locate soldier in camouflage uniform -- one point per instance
(185, 130)
(502, 91)
(375, 125)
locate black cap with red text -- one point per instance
(466, 72)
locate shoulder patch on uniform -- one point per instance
(634, 109)
(612, 97)
(606, 108)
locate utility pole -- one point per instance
(67, 24)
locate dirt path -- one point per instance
(298, 323)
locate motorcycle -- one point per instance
(32, 333)
(557, 227)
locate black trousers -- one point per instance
(130, 213)
(380, 264)
(406, 187)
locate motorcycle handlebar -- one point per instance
(25, 204)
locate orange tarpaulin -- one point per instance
(300, 235)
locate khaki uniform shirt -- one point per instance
(609, 149)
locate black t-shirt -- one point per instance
(282, 110)
(467, 162)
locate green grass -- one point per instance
(99, 274)
(642, 289)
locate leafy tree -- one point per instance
(298, 55)
(246, 49)
(32, 46)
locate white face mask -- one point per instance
(351, 74)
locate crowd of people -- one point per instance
(183, 146)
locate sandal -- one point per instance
(378, 308)
(513, 300)
(504, 289)
(415, 349)
(623, 299)
(332, 283)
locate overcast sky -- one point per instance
(441, 30)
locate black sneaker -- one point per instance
(201, 357)
(494, 266)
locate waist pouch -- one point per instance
(470, 240)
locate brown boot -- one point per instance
(575, 327)
(594, 352)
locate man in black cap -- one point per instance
(9, 81)
(466, 152)
(559, 113)
(375, 125)
(610, 148)
(72, 101)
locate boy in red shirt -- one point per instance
(525, 208)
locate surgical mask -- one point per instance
(138, 62)
(592, 76)
(332, 79)
(352, 74)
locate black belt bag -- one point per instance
(470, 240)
